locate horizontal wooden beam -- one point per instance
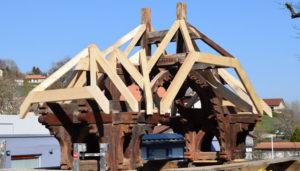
(157, 36)
(223, 61)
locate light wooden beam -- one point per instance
(249, 88)
(100, 98)
(121, 41)
(216, 60)
(186, 36)
(233, 63)
(61, 71)
(50, 80)
(60, 95)
(158, 52)
(93, 66)
(116, 80)
(239, 88)
(146, 79)
(177, 82)
(130, 68)
(134, 41)
(226, 93)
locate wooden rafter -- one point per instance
(238, 87)
(122, 40)
(158, 52)
(146, 79)
(177, 82)
(116, 80)
(130, 68)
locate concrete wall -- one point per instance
(267, 154)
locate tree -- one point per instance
(8, 103)
(36, 71)
(293, 13)
(63, 81)
(296, 135)
(288, 120)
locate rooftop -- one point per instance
(35, 77)
(278, 145)
(273, 102)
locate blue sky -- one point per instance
(259, 33)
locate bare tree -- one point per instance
(289, 119)
(293, 13)
(62, 82)
(8, 104)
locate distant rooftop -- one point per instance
(278, 145)
(35, 77)
(273, 102)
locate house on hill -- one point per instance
(35, 79)
(276, 104)
(281, 149)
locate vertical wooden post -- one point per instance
(146, 19)
(180, 15)
(181, 11)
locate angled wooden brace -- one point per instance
(146, 79)
(135, 40)
(232, 63)
(121, 41)
(186, 36)
(50, 80)
(130, 68)
(238, 87)
(226, 93)
(177, 82)
(116, 80)
(158, 52)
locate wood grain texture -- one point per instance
(163, 45)
(117, 81)
(134, 41)
(177, 82)
(238, 87)
(249, 88)
(216, 60)
(146, 79)
(121, 41)
(130, 68)
(61, 71)
(186, 36)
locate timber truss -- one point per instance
(121, 90)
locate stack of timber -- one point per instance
(111, 96)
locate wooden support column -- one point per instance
(146, 19)
(180, 15)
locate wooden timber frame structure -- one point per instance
(110, 97)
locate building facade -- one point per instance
(34, 79)
(280, 149)
(28, 143)
(276, 104)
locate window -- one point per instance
(25, 161)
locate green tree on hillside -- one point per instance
(296, 135)
(36, 71)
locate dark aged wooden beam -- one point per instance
(157, 36)
(210, 42)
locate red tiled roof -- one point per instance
(35, 77)
(273, 102)
(278, 145)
